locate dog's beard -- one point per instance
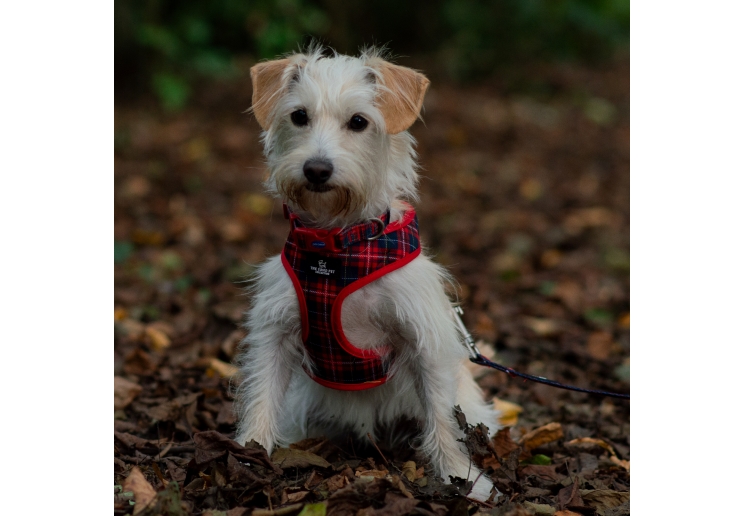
(337, 201)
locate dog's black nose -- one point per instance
(317, 171)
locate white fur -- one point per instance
(277, 402)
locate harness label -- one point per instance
(324, 265)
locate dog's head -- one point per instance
(335, 132)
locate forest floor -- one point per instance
(525, 199)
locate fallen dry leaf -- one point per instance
(542, 327)
(543, 472)
(625, 464)
(503, 443)
(567, 513)
(599, 345)
(124, 392)
(376, 473)
(603, 500)
(509, 411)
(223, 369)
(590, 442)
(258, 204)
(282, 511)
(540, 508)
(569, 496)
(297, 496)
(143, 492)
(542, 435)
(292, 458)
(409, 470)
(157, 338)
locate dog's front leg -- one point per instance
(261, 394)
(437, 385)
(269, 355)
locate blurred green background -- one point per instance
(163, 48)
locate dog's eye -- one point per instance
(299, 117)
(358, 123)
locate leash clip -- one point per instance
(469, 342)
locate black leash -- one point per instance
(479, 359)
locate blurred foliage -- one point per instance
(165, 45)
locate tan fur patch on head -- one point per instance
(401, 98)
(268, 85)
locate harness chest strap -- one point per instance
(325, 267)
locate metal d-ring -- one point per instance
(381, 230)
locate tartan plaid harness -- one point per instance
(325, 267)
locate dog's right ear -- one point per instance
(268, 85)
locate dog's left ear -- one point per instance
(268, 83)
(401, 99)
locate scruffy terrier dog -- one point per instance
(350, 327)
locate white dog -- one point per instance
(350, 327)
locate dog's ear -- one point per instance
(401, 99)
(268, 84)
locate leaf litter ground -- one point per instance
(525, 198)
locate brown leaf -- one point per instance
(599, 345)
(239, 472)
(230, 344)
(534, 492)
(542, 472)
(282, 511)
(226, 415)
(503, 443)
(223, 369)
(157, 335)
(291, 458)
(395, 505)
(131, 442)
(310, 444)
(397, 482)
(176, 472)
(376, 473)
(511, 509)
(124, 392)
(604, 499)
(212, 444)
(336, 482)
(140, 363)
(297, 496)
(567, 513)
(590, 442)
(540, 509)
(313, 481)
(569, 496)
(625, 464)
(542, 327)
(173, 409)
(409, 470)
(543, 435)
(143, 492)
(509, 411)
(231, 310)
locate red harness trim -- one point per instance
(344, 242)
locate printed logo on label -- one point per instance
(318, 243)
(322, 269)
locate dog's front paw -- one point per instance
(481, 490)
(266, 442)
